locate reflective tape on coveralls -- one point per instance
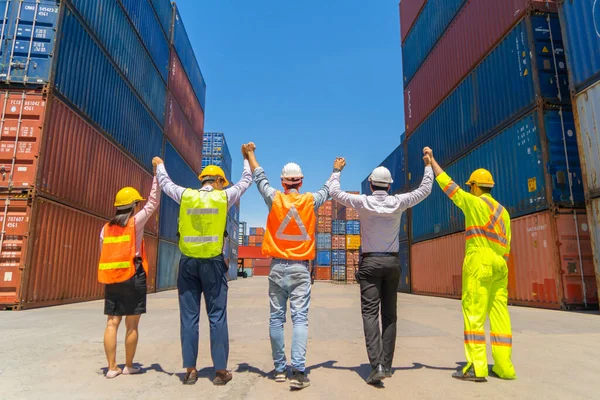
(493, 236)
(451, 189)
(501, 340)
(475, 337)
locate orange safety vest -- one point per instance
(117, 258)
(290, 233)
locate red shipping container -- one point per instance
(351, 271)
(352, 257)
(338, 242)
(81, 167)
(325, 209)
(477, 28)
(409, 11)
(182, 136)
(182, 90)
(544, 265)
(324, 224)
(323, 274)
(49, 254)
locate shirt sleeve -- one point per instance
(234, 193)
(321, 196)
(171, 189)
(355, 201)
(458, 196)
(264, 187)
(411, 199)
(149, 208)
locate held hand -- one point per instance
(156, 161)
(339, 163)
(428, 152)
(250, 147)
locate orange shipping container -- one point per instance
(351, 271)
(544, 266)
(352, 257)
(323, 274)
(338, 242)
(49, 254)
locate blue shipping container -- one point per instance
(323, 241)
(404, 225)
(179, 171)
(148, 26)
(185, 51)
(28, 38)
(338, 273)
(338, 227)
(169, 219)
(108, 21)
(323, 258)
(164, 11)
(338, 257)
(429, 27)
(353, 227)
(168, 265)
(515, 159)
(500, 88)
(404, 284)
(581, 27)
(92, 84)
(365, 187)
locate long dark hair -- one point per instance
(121, 218)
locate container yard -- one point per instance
(95, 94)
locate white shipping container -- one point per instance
(588, 131)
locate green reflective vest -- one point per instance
(202, 222)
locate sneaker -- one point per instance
(280, 377)
(299, 380)
(468, 376)
(376, 376)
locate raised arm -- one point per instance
(349, 200)
(259, 175)
(452, 190)
(235, 192)
(150, 207)
(413, 198)
(171, 189)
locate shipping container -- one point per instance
(90, 82)
(215, 146)
(520, 71)
(353, 242)
(164, 11)
(338, 242)
(323, 241)
(323, 273)
(550, 266)
(49, 254)
(325, 209)
(185, 51)
(351, 271)
(323, 258)
(409, 11)
(535, 146)
(338, 273)
(428, 28)
(324, 224)
(352, 257)
(404, 224)
(594, 228)
(404, 254)
(338, 227)
(338, 257)
(581, 27)
(257, 231)
(168, 265)
(587, 110)
(353, 227)
(144, 19)
(107, 20)
(478, 27)
(181, 134)
(28, 41)
(183, 92)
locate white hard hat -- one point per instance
(381, 175)
(291, 173)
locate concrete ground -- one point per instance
(57, 352)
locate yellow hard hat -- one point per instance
(126, 197)
(481, 177)
(213, 170)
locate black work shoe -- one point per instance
(468, 376)
(299, 380)
(377, 375)
(388, 372)
(190, 378)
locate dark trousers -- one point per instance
(378, 278)
(208, 276)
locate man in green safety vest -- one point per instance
(202, 268)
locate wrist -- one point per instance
(336, 169)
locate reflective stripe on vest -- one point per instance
(115, 265)
(118, 253)
(292, 214)
(202, 221)
(117, 239)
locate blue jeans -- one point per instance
(208, 276)
(289, 280)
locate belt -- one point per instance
(365, 255)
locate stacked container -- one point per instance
(255, 238)
(581, 29)
(216, 152)
(68, 143)
(233, 228)
(242, 232)
(324, 232)
(502, 104)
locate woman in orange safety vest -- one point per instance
(123, 268)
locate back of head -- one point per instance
(381, 179)
(292, 177)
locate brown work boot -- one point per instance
(190, 378)
(222, 378)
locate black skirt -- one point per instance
(129, 297)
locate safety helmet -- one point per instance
(381, 176)
(213, 171)
(127, 197)
(291, 174)
(481, 177)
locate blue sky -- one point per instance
(305, 80)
